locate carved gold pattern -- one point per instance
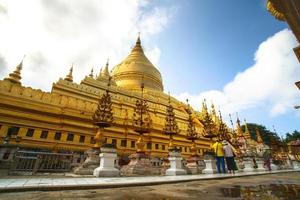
(277, 14)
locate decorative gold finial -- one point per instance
(69, 77)
(15, 76)
(92, 73)
(138, 41)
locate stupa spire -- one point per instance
(138, 41)
(239, 128)
(15, 76)
(258, 136)
(247, 132)
(138, 45)
(69, 77)
(214, 113)
(104, 73)
(204, 107)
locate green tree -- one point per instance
(295, 135)
(266, 134)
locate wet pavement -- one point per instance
(272, 186)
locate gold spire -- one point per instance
(15, 76)
(258, 136)
(247, 132)
(204, 107)
(104, 73)
(223, 131)
(138, 41)
(239, 128)
(69, 77)
(92, 73)
(214, 114)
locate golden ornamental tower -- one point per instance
(258, 136)
(128, 74)
(171, 127)
(69, 77)
(247, 132)
(15, 76)
(104, 73)
(239, 128)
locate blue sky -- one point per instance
(213, 41)
(232, 52)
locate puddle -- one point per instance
(264, 192)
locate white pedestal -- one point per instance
(289, 164)
(260, 165)
(273, 166)
(296, 164)
(175, 165)
(248, 163)
(210, 167)
(107, 164)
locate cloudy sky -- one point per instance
(233, 53)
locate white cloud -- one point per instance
(54, 34)
(269, 82)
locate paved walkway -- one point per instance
(35, 183)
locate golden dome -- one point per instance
(137, 69)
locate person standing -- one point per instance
(229, 156)
(218, 149)
(267, 158)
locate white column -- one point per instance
(248, 163)
(296, 164)
(260, 164)
(210, 166)
(107, 164)
(175, 165)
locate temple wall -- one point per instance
(68, 110)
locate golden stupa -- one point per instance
(61, 120)
(135, 69)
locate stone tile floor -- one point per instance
(58, 183)
(271, 186)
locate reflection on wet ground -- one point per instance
(272, 186)
(265, 192)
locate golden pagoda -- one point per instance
(247, 132)
(63, 118)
